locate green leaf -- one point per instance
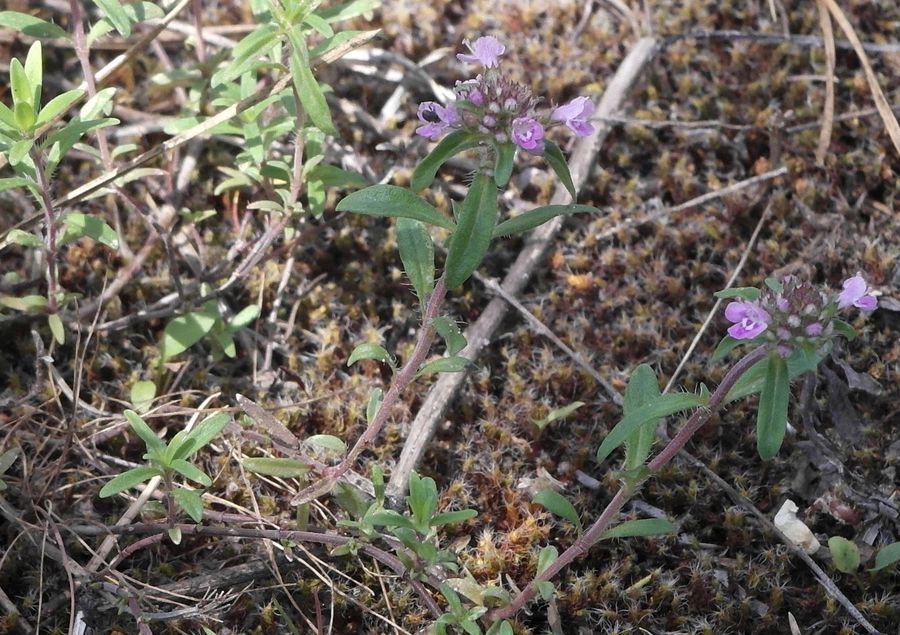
(744, 293)
(327, 441)
(209, 428)
(81, 225)
(225, 340)
(642, 527)
(31, 26)
(774, 284)
(191, 502)
(7, 459)
(99, 104)
(368, 350)
(58, 105)
(19, 151)
(8, 119)
(306, 86)
(142, 394)
(136, 12)
(844, 553)
(453, 364)
(470, 241)
(25, 303)
(25, 116)
(546, 589)
(247, 52)
(802, 360)
(393, 201)
(422, 499)
(68, 136)
(127, 480)
(771, 418)
(454, 143)
(844, 329)
(26, 239)
(559, 505)
(546, 557)
(642, 390)
(57, 328)
(388, 518)
(174, 535)
(557, 414)
(12, 182)
(148, 436)
(347, 10)
(727, 345)
(417, 254)
(449, 331)
(554, 157)
(450, 518)
(179, 447)
(333, 176)
(374, 404)
(501, 628)
(20, 86)
(190, 471)
(538, 216)
(185, 331)
(284, 468)
(34, 70)
(318, 23)
(503, 165)
(887, 556)
(662, 406)
(116, 14)
(244, 318)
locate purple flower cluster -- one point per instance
(797, 311)
(499, 109)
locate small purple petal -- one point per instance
(575, 115)
(527, 133)
(486, 50)
(857, 293)
(814, 330)
(436, 118)
(750, 319)
(866, 303)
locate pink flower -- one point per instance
(436, 119)
(857, 293)
(486, 50)
(528, 133)
(575, 115)
(749, 319)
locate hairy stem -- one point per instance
(402, 379)
(626, 491)
(50, 217)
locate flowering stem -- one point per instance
(627, 490)
(401, 381)
(50, 217)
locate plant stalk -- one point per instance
(50, 218)
(581, 546)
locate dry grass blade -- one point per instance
(884, 108)
(828, 111)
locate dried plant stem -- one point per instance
(401, 381)
(593, 534)
(50, 218)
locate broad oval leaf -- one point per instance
(470, 242)
(284, 468)
(887, 556)
(83, 225)
(555, 159)
(844, 553)
(368, 350)
(662, 406)
(771, 418)
(641, 527)
(558, 505)
(546, 557)
(417, 254)
(185, 331)
(538, 216)
(56, 328)
(191, 502)
(327, 441)
(454, 143)
(449, 331)
(127, 480)
(393, 201)
(142, 394)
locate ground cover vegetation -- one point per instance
(472, 317)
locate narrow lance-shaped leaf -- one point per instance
(308, 89)
(393, 201)
(555, 159)
(190, 502)
(642, 527)
(771, 418)
(31, 26)
(503, 165)
(887, 556)
(454, 364)
(451, 145)
(802, 360)
(559, 505)
(116, 14)
(368, 350)
(662, 406)
(417, 254)
(148, 436)
(282, 467)
(449, 331)
(538, 216)
(642, 390)
(472, 238)
(127, 480)
(743, 293)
